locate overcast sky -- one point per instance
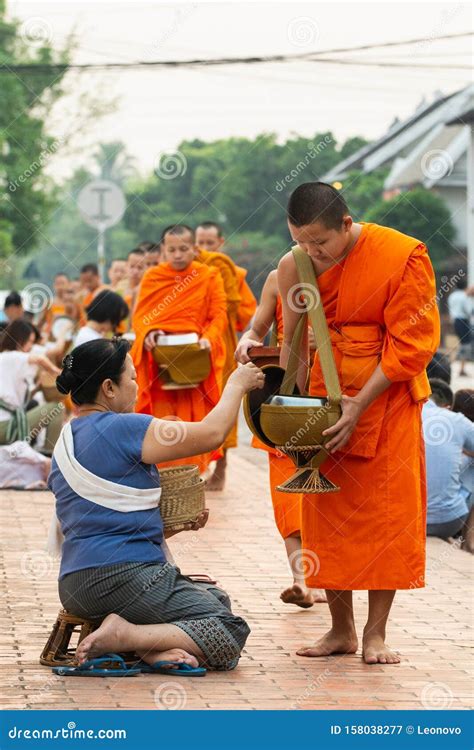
(158, 108)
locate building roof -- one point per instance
(426, 148)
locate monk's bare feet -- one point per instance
(110, 637)
(176, 655)
(299, 595)
(319, 596)
(374, 651)
(216, 482)
(332, 643)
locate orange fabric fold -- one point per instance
(248, 302)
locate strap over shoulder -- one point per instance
(317, 318)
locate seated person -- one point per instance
(104, 315)
(447, 435)
(13, 307)
(464, 404)
(440, 367)
(114, 567)
(18, 367)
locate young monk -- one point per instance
(373, 283)
(241, 305)
(117, 273)
(90, 283)
(286, 506)
(180, 296)
(134, 269)
(61, 285)
(153, 256)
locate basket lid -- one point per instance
(253, 401)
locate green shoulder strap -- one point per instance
(315, 312)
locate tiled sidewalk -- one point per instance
(430, 627)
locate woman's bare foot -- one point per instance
(176, 655)
(332, 643)
(113, 635)
(216, 482)
(299, 595)
(374, 651)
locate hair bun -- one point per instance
(65, 381)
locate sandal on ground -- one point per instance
(172, 669)
(96, 668)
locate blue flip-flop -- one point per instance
(172, 669)
(91, 668)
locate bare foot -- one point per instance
(374, 651)
(319, 595)
(176, 655)
(216, 482)
(299, 595)
(112, 636)
(332, 643)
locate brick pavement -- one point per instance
(430, 627)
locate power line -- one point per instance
(193, 63)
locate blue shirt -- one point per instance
(446, 434)
(110, 446)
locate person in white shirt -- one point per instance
(104, 315)
(460, 311)
(18, 368)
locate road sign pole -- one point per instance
(101, 252)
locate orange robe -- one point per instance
(381, 307)
(228, 272)
(248, 303)
(189, 301)
(286, 505)
(56, 309)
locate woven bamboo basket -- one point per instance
(182, 496)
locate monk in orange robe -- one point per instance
(179, 296)
(286, 506)
(241, 305)
(60, 284)
(128, 289)
(377, 289)
(90, 283)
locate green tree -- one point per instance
(114, 162)
(26, 195)
(351, 146)
(421, 214)
(363, 191)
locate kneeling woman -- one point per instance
(107, 489)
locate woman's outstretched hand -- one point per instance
(248, 377)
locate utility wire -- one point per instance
(307, 56)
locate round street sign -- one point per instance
(101, 203)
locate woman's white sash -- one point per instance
(93, 488)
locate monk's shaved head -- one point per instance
(317, 202)
(209, 236)
(178, 230)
